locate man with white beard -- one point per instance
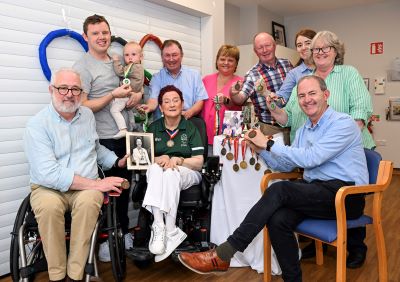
(63, 150)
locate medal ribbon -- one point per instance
(244, 147)
(229, 143)
(252, 152)
(236, 148)
(224, 141)
(217, 118)
(128, 70)
(172, 133)
(146, 123)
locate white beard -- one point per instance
(64, 108)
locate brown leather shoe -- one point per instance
(204, 262)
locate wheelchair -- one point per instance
(194, 209)
(26, 252)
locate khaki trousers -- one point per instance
(268, 129)
(49, 206)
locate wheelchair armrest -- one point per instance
(278, 175)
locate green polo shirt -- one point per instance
(187, 142)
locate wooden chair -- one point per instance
(334, 232)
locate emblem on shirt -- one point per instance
(184, 140)
(157, 139)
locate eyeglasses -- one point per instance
(323, 49)
(63, 90)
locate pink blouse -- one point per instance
(208, 113)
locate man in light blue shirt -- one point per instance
(63, 150)
(329, 148)
(173, 73)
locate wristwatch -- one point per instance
(270, 142)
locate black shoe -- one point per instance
(355, 259)
(309, 250)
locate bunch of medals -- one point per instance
(235, 155)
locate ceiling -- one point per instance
(297, 7)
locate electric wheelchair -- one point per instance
(26, 252)
(194, 210)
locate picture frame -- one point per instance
(366, 82)
(279, 34)
(394, 108)
(141, 152)
(232, 124)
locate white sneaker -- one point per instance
(128, 237)
(120, 134)
(104, 252)
(174, 239)
(157, 239)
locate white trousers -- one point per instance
(117, 105)
(164, 187)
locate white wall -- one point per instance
(357, 27)
(232, 24)
(23, 92)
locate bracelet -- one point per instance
(112, 95)
(182, 160)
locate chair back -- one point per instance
(373, 160)
(201, 126)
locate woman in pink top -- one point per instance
(217, 86)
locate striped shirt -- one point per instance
(273, 76)
(348, 95)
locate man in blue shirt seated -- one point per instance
(63, 150)
(330, 150)
(173, 73)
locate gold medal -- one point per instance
(252, 161)
(126, 81)
(125, 184)
(236, 167)
(257, 166)
(223, 151)
(229, 156)
(170, 143)
(243, 165)
(252, 134)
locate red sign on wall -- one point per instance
(376, 48)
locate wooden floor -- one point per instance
(168, 270)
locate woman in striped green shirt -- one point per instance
(348, 92)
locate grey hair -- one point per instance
(321, 82)
(331, 39)
(54, 74)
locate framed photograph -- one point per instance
(278, 32)
(233, 123)
(394, 108)
(140, 146)
(366, 82)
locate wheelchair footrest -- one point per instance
(38, 266)
(139, 254)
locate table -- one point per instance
(234, 195)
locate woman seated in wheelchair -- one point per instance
(178, 161)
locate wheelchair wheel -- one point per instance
(25, 233)
(116, 242)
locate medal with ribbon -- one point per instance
(229, 156)
(236, 151)
(223, 150)
(172, 134)
(127, 71)
(252, 159)
(243, 164)
(217, 121)
(257, 166)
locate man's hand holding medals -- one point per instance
(256, 140)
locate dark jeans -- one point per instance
(282, 207)
(119, 147)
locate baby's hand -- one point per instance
(115, 57)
